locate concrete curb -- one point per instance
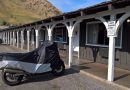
(101, 79)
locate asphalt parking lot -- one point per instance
(71, 80)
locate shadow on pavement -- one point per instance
(47, 76)
(120, 77)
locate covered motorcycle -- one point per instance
(43, 59)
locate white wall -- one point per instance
(76, 38)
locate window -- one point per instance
(96, 35)
(42, 35)
(60, 35)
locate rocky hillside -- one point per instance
(41, 7)
(25, 11)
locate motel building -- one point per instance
(100, 33)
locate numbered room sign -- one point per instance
(111, 31)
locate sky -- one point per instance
(71, 5)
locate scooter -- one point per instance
(16, 66)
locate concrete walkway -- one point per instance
(71, 80)
(10, 49)
(99, 71)
(122, 77)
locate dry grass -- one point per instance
(12, 12)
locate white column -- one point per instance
(4, 37)
(49, 30)
(37, 38)
(10, 37)
(111, 59)
(50, 38)
(49, 34)
(70, 34)
(70, 51)
(22, 39)
(32, 38)
(17, 39)
(111, 33)
(13, 38)
(28, 40)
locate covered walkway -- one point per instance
(99, 71)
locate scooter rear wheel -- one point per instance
(11, 78)
(58, 71)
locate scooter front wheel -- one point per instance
(11, 78)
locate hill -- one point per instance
(25, 11)
(41, 7)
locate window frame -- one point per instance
(101, 45)
(63, 35)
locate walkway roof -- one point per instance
(81, 12)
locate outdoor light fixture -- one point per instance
(128, 20)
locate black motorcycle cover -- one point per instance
(36, 61)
